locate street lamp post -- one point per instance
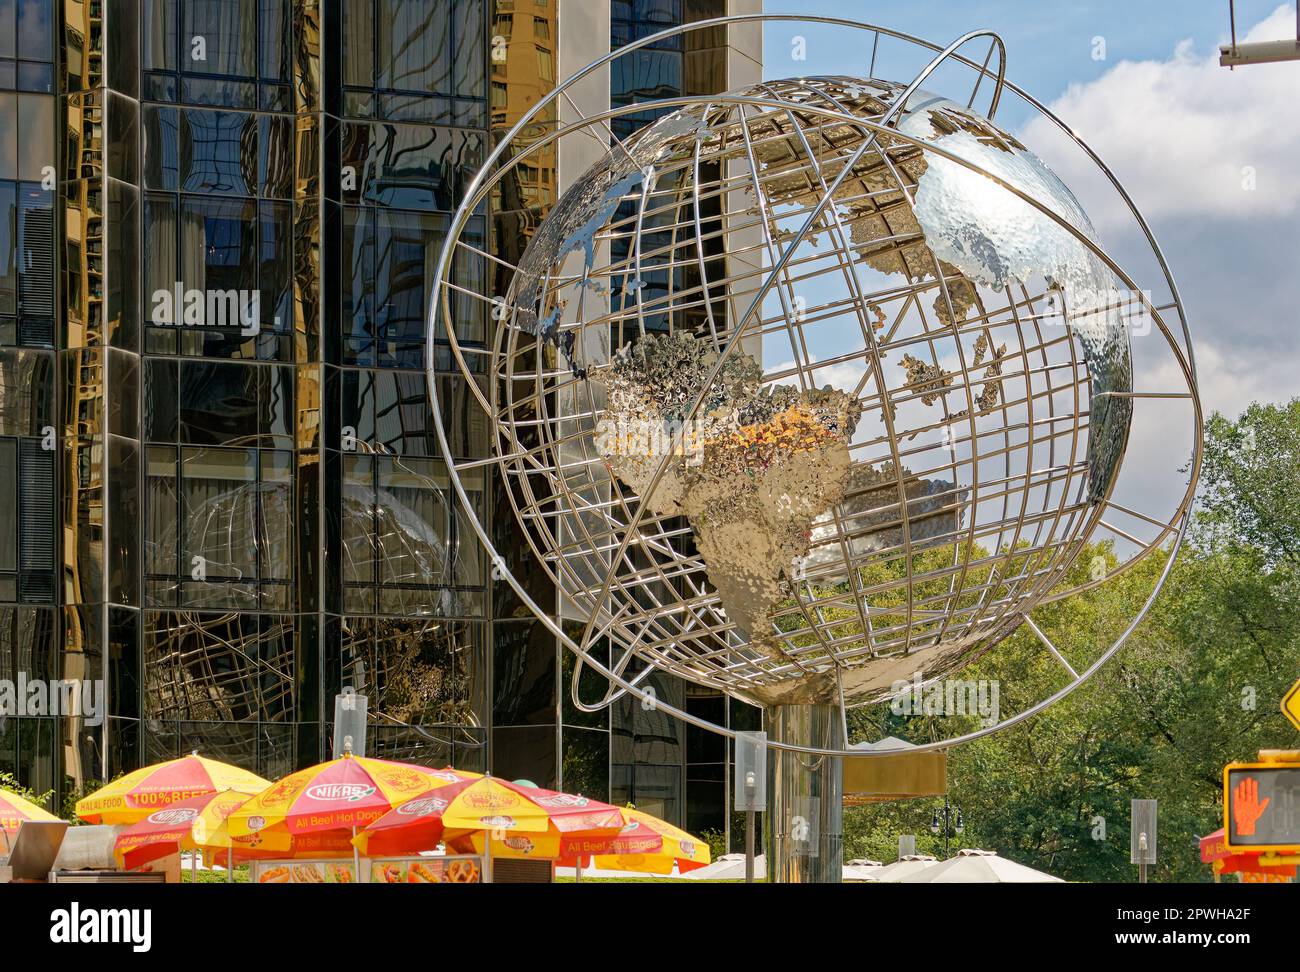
(951, 823)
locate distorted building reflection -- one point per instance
(220, 492)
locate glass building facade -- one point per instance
(220, 495)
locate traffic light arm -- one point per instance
(1260, 52)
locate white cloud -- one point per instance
(1228, 381)
(1182, 134)
(845, 376)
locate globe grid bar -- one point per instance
(742, 672)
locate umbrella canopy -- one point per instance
(179, 827)
(643, 843)
(14, 810)
(348, 792)
(728, 867)
(731, 867)
(862, 870)
(979, 867)
(903, 868)
(277, 844)
(531, 820)
(136, 795)
(1214, 851)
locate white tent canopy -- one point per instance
(862, 870)
(731, 867)
(978, 867)
(728, 867)
(893, 873)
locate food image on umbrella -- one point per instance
(523, 821)
(182, 826)
(644, 843)
(138, 794)
(809, 387)
(345, 793)
(15, 810)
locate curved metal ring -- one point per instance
(1187, 365)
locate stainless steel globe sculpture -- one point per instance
(811, 387)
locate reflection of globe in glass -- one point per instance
(908, 446)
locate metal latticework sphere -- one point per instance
(810, 387)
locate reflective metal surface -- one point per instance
(805, 842)
(981, 383)
(974, 368)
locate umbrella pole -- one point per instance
(577, 871)
(356, 857)
(487, 857)
(230, 861)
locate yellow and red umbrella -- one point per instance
(645, 843)
(14, 810)
(136, 795)
(527, 821)
(183, 825)
(277, 845)
(342, 794)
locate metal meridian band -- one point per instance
(483, 182)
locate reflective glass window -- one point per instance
(408, 166)
(523, 672)
(218, 403)
(218, 276)
(9, 252)
(8, 504)
(220, 36)
(408, 547)
(417, 60)
(27, 30)
(217, 51)
(219, 530)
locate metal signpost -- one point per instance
(350, 723)
(751, 787)
(1142, 836)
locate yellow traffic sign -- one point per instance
(1291, 705)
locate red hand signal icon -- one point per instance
(1247, 808)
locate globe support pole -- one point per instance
(805, 822)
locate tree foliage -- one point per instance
(1197, 685)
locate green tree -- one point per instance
(1196, 686)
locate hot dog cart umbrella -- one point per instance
(344, 794)
(136, 795)
(1246, 865)
(492, 816)
(644, 843)
(14, 812)
(181, 826)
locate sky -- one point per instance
(1211, 157)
